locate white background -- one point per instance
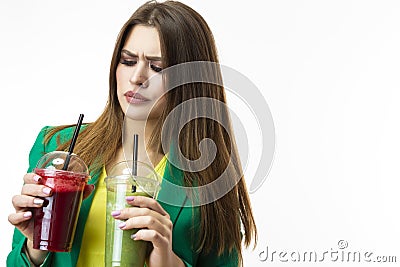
(329, 71)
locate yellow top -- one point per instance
(93, 241)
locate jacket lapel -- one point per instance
(172, 195)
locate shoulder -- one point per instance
(54, 135)
(48, 139)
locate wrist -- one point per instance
(35, 256)
(176, 261)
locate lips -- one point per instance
(135, 98)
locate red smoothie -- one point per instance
(55, 221)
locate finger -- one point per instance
(153, 236)
(146, 202)
(31, 178)
(36, 190)
(89, 188)
(148, 222)
(21, 202)
(17, 218)
(131, 212)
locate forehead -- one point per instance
(143, 39)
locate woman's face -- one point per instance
(139, 82)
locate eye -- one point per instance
(128, 62)
(156, 66)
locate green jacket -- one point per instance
(184, 219)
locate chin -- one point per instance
(136, 116)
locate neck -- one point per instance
(144, 130)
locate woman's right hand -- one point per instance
(31, 196)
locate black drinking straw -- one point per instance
(134, 158)
(71, 146)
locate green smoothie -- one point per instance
(121, 249)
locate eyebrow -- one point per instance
(131, 54)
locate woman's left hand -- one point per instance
(155, 226)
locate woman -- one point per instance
(204, 233)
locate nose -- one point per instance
(139, 75)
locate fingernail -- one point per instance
(36, 178)
(122, 225)
(47, 190)
(130, 198)
(133, 236)
(27, 214)
(116, 213)
(38, 201)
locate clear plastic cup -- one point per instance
(55, 222)
(121, 249)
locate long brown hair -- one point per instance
(184, 37)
